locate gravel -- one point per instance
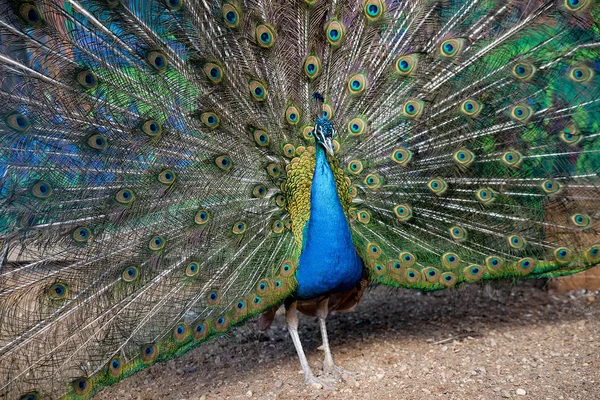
(473, 342)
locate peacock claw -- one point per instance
(338, 373)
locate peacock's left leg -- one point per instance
(291, 317)
(328, 364)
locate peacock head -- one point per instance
(324, 133)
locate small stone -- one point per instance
(426, 391)
(380, 376)
(316, 385)
(249, 393)
(444, 348)
(278, 384)
(521, 392)
(505, 394)
(591, 299)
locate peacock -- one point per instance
(171, 168)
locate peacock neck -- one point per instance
(328, 262)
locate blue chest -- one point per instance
(328, 262)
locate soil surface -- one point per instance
(474, 342)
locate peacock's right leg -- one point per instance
(291, 317)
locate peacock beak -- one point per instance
(328, 144)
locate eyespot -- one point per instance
(485, 195)
(180, 332)
(516, 242)
(151, 128)
(312, 66)
(265, 36)
(287, 268)
(213, 72)
(438, 186)
(335, 145)
(431, 274)
(563, 255)
(407, 64)
(403, 212)
(581, 74)
(240, 307)
(231, 16)
(413, 108)
(273, 170)
(259, 191)
(402, 156)
(125, 196)
(292, 115)
(173, 5)
(201, 331)
(571, 135)
(464, 157)
(581, 220)
(97, 142)
(82, 386)
(87, 79)
(512, 158)
(130, 274)
(357, 126)
(280, 200)
(148, 353)
(167, 177)
(327, 111)
(307, 132)
(470, 107)
(30, 396)
(352, 192)
(224, 162)
(289, 150)
(521, 112)
(395, 266)
(157, 243)
(458, 233)
(277, 226)
(58, 291)
(157, 60)
(451, 47)
(82, 234)
(373, 181)
(378, 268)
(592, 255)
(210, 120)
(258, 91)
(335, 31)
(524, 71)
(494, 263)
(364, 216)
(263, 286)
(576, 5)
(407, 259)
(373, 9)
(447, 279)
(450, 260)
(18, 122)
(41, 190)
(355, 167)
(551, 186)
(261, 138)
(221, 324)
(373, 250)
(525, 265)
(411, 276)
(115, 367)
(213, 298)
(239, 227)
(192, 269)
(31, 14)
(357, 83)
(473, 273)
(202, 216)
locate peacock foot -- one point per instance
(338, 373)
(315, 383)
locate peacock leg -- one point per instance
(329, 366)
(291, 317)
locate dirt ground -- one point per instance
(474, 342)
